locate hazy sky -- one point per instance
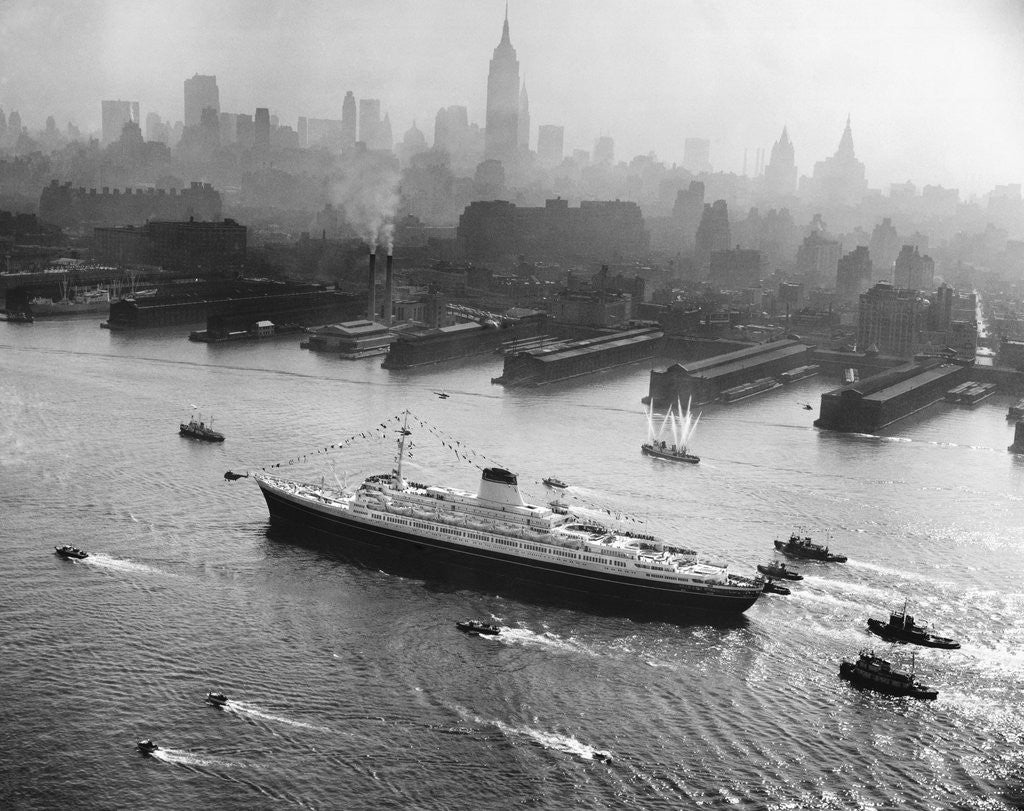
(935, 88)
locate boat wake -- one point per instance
(122, 565)
(901, 574)
(242, 708)
(543, 738)
(180, 757)
(528, 638)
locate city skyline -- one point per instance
(931, 91)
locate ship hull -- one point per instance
(649, 450)
(493, 571)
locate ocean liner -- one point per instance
(497, 534)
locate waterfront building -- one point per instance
(115, 114)
(68, 207)
(352, 339)
(704, 380)
(501, 134)
(598, 229)
(890, 320)
(211, 247)
(874, 402)
(912, 271)
(550, 145)
(780, 173)
(853, 275)
(200, 93)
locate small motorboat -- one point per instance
(779, 571)
(603, 757)
(771, 587)
(478, 628)
(147, 747)
(232, 476)
(442, 394)
(216, 699)
(68, 551)
(551, 481)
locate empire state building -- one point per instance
(501, 134)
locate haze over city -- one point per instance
(932, 88)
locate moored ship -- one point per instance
(503, 540)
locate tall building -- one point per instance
(501, 134)
(200, 92)
(349, 120)
(261, 131)
(737, 269)
(369, 122)
(890, 320)
(604, 150)
(817, 259)
(115, 115)
(840, 179)
(780, 173)
(884, 246)
(913, 271)
(712, 234)
(245, 130)
(550, 144)
(523, 136)
(697, 155)
(853, 275)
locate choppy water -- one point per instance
(351, 688)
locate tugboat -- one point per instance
(216, 699)
(147, 747)
(197, 429)
(551, 481)
(68, 551)
(875, 673)
(804, 548)
(779, 571)
(902, 628)
(478, 628)
(771, 587)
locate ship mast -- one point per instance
(396, 475)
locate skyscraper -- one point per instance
(200, 92)
(348, 120)
(780, 173)
(550, 144)
(501, 134)
(115, 115)
(712, 234)
(853, 275)
(369, 122)
(840, 179)
(697, 155)
(604, 150)
(261, 135)
(523, 136)
(913, 271)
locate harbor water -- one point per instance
(350, 687)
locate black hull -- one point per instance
(809, 554)
(495, 572)
(850, 673)
(897, 635)
(669, 456)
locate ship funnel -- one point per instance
(500, 486)
(371, 304)
(387, 290)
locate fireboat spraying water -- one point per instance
(671, 438)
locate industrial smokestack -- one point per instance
(371, 304)
(387, 290)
